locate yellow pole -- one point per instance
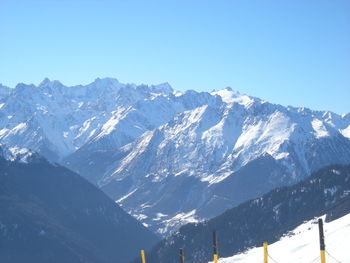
(216, 258)
(323, 256)
(322, 244)
(143, 256)
(265, 253)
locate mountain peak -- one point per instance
(4, 90)
(162, 88)
(103, 83)
(106, 80)
(229, 96)
(47, 81)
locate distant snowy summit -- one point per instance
(56, 120)
(145, 144)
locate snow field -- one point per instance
(302, 245)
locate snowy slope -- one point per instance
(302, 245)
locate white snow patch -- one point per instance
(214, 178)
(17, 150)
(270, 135)
(74, 127)
(180, 173)
(42, 108)
(3, 131)
(281, 155)
(19, 128)
(177, 93)
(159, 216)
(178, 220)
(346, 132)
(319, 128)
(126, 196)
(109, 126)
(141, 217)
(16, 153)
(229, 96)
(145, 205)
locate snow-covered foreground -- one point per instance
(303, 245)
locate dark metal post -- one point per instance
(215, 247)
(182, 256)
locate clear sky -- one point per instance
(291, 52)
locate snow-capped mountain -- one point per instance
(217, 156)
(172, 157)
(95, 157)
(55, 120)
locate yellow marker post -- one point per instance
(323, 256)
(322, 244)
(265, 253)
(143, 256)
(215, 247)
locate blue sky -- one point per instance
(287, 52)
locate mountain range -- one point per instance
(170, 157)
